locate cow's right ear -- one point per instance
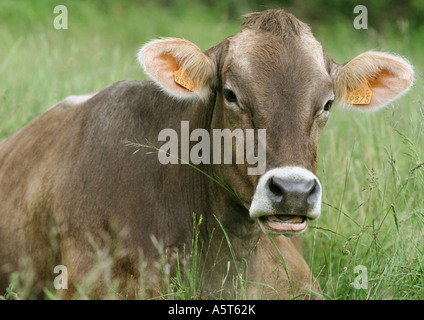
(372, 80)
(179, 67)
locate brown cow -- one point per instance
(71, 188)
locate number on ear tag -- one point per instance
(183, 79)
(361, 95)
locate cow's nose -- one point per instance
(293, 195)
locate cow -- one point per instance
(84, 177)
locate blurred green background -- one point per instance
(370, 164)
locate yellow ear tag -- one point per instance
(361, 95)
(183, 79)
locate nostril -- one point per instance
(312, 187)
(275, 187)
(314, 192)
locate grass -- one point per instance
(373, 208)
(371, 166)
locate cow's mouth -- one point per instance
(283, 224)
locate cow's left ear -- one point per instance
(179, 67)
(372, 80)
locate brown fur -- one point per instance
(72, 192)
(277, 22)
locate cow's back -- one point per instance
(25, 182)
(69, 177)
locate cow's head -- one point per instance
(274, 75)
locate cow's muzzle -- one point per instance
(285, 199)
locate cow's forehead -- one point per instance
(252, 49)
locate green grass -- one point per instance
(370, 165)
(373, 208)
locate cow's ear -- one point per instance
(179, 67)
(372, 80)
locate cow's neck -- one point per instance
(225, 220)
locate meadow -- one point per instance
(371, 165)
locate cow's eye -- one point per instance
(328, 105)
(230, 96)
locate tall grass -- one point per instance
(370, 165)
(373, 205)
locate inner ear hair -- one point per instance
(181, 54)
(390, 74)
